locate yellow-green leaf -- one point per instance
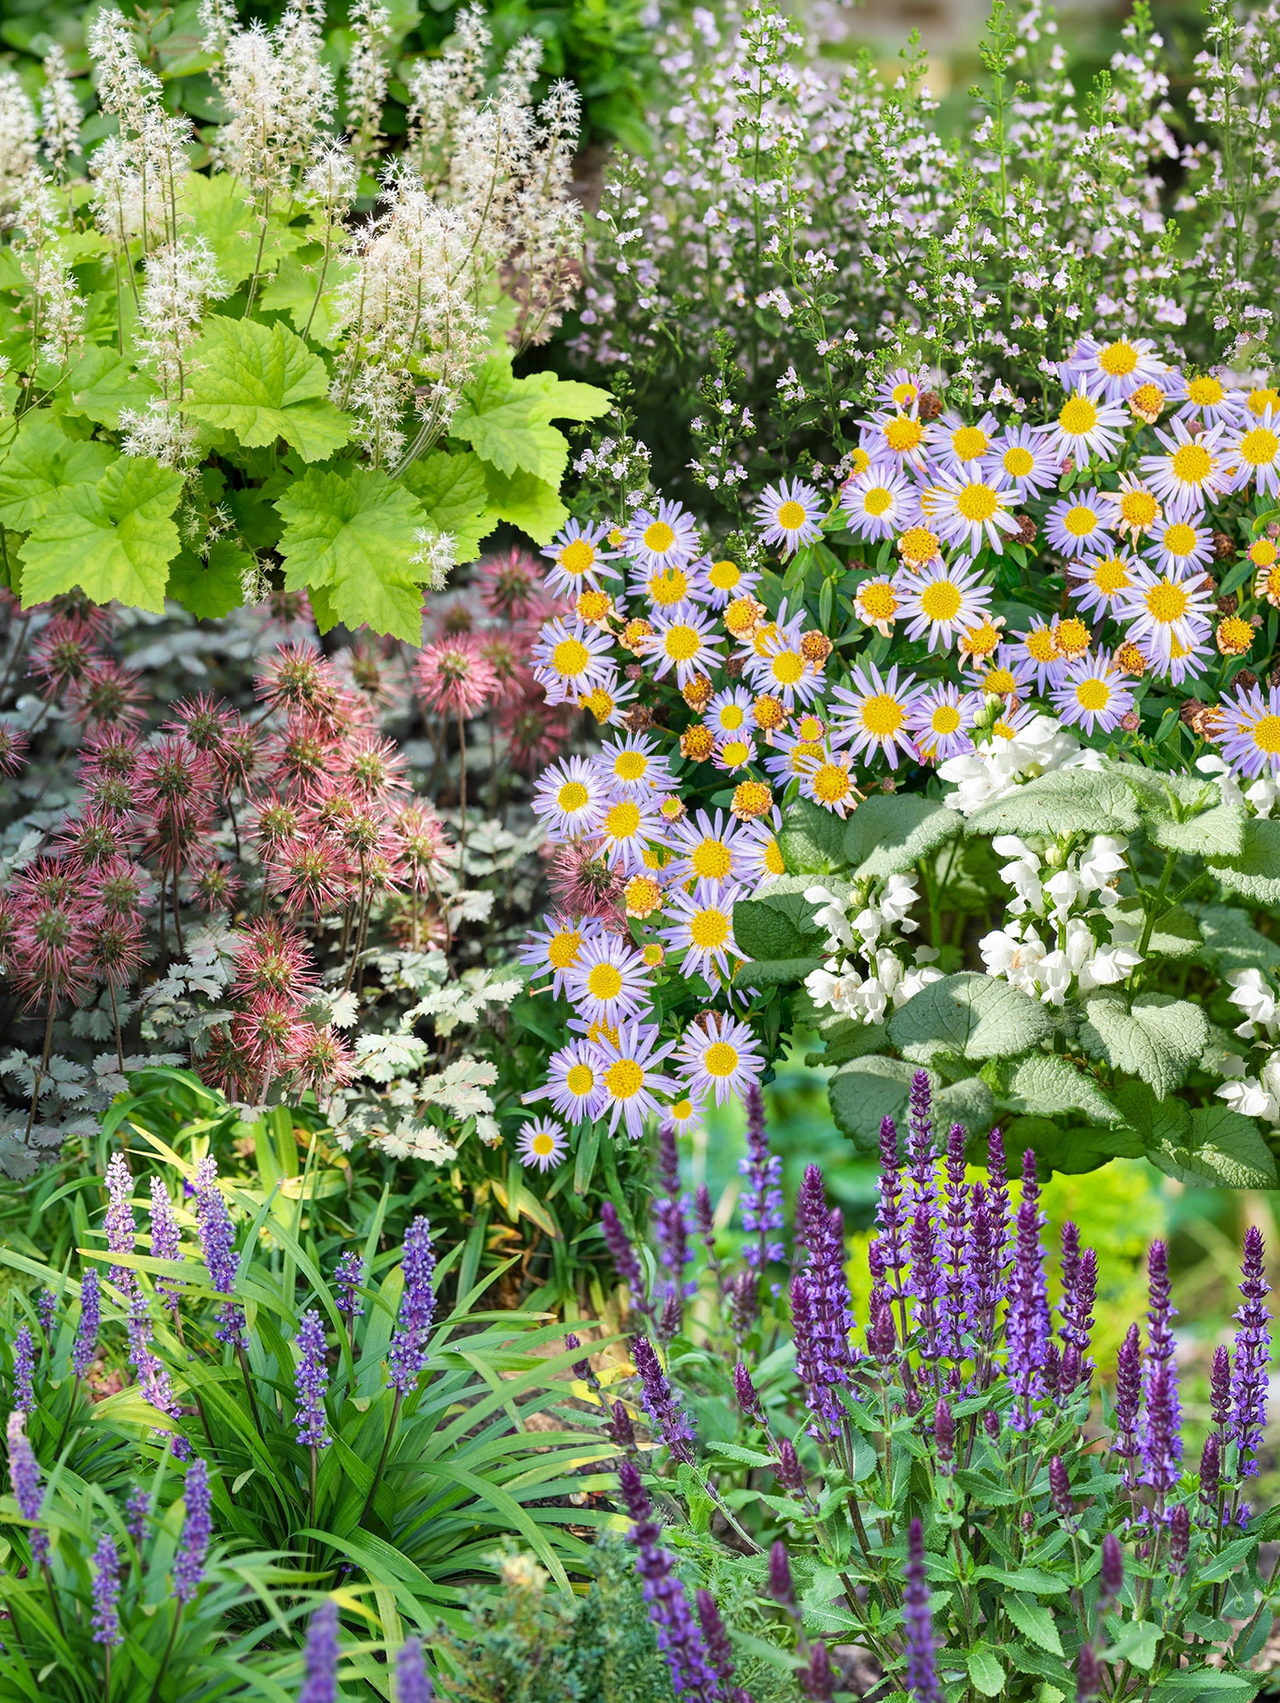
(114, 540)
(40, 463)
(261, 382)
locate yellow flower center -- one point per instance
(1118, 359)
(903, 434)
(945, 719)
(1205, 392)
(630, 765)
(1000, 680)
(720, 1059)
(1179, 539)
(734, 752)
(740, 616)
(882, 714)
(941, 601)
(809, 727)
(1093, 694)
(577, 558)
(1259, 447)
(1260, 400)
(831, 783)
(622, 820)
(788, 667)
(1191, 463)
(1263, 553)
(669, 588)
(803, 753)
(969, 442)
(624, 1078)
(658, 537)
(1166, 603)
(977, 502)
(605, 981)
(773, 859)
(711, 860)
(1077, 416)
(709, 929)
(682, 642)
(563, 948)
(1110, 576)
(860, 460)
(1266, 734)
(1139, 508)
(599, 702)
(1071, 637)
(1018, 462)
(682, 1110)
(1042, 645)
(877, 500)
(1147, 400)
(879, 601)
(724, 575)
(580, 1079)
(543, 1144)
(570, 658)
(572, 796)
(593, 605)
(732, 717)
(653, 953)
(751, 798)
(1079, 521)
(791, 516)
(904, 394)
(918, 544)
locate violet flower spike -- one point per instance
(24, 1369)
(922, 1673)
(1128, 1399)
(986, 1285)
(762, 1214)
(715, 1637)
(1111, 1581)
(1161, 1438)
(1252, 1356)
(954, 1225)
(407, 1354)
(671, 1228)
(106, 1593)
(624, 1256)
(348, 1277)
(1211, 1474)
(137, 1511)
(1026, 1326)
(781, 1587)
(998, 1194)
(748, 1396)
(412, 1682)
(890, 1218)
(668, 1418)
(24, 1476)
(84, 1349)
(311, 1383)
(166, 1241)
(1088, 1675)
(944, 1436)
(679, 1637)
(119, 1224)
(1220, 1387)
(1179, 1539)
(920, 1149)
(320, 1658)
(197, 1530)
(787, 1468)
(1060, 1490)
(817, 1681)
(620, 1431)
(46, 1311)
(218, 1241)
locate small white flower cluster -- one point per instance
(1014, 754)
(1061, 936)
(1254, 1096)
(1259, 798)
(868, 926)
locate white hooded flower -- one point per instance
(1101, 861)
(1256, 999)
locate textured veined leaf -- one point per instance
(41, 462)
(1218, 1148)
(293, 291)
(1048, 1084)
(868, 1089)
(985, 1671)
(811, 839)
(349, 540)
(103, 382)
(1034, 1622)
(890, 834)
(261, 382)
(220, 213)
(1157, 1038)
(975, 1016)
(507, 420)
(527, 502)
(1065, 801)
(114, 540)
(1255, 871)
(454, 497)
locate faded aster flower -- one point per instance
(106, 1593)
(407, 1354)
(197, 1529)
(311, 1382)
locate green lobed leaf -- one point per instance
(1176, 934)
(889, 833)
(507, 420)
(349, 537)
(985, 1671)
(971, 1015)
(1218, 1148)
(293, 291)
(454, 498)
(114, 540)
(1065, 801)
(778, 921)
(213, 586)
(41, 462)
(262, 383)
(1157, 1037)
(811, 839)
(1255, 872)
(219, 210)
(103, 382)
(868, 1089)
(1049, 1084)
(527, 502)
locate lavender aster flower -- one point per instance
(312, 1381)
(106, 1593)
(197, 1529)
(679, 1637)
(624, 1256)
(24, 1475)
(348, 1277)
(1253, 1353)
(119, 1223)
(46, 1311)
(166, 1241)
(85, 1347)
(1026, 1326)
(320, 1659)
(218, 1240)
(922, 1674)
(762, 1214)
(412, 1684)
(667, 1416)
(407, 1354)
(24, 1369)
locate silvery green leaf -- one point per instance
(1065, 801)
(974, 1016)
(1157, 1038)
(889, 833)
(1050, 1084)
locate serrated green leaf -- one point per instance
(349, 536)
(974, 1016)
(1231, 942)
(1023, 1579)
(507, 420)
(219, 207)
(868, 1089)
(846, 1039)
(1175, 934)
(1219, 1149)
(1214, 833)
(1065, 801)
(774, 972)
(1255, 873)
(1034, 1622)
(1136, 1644)
(211, 587)
(103, 382)
(811, 839)
(1074, 1152)
(262, 383)
(1049, 1084)
(41, 462)
(1157, 1038)
(529, 503)
(454, 498)
(889, 833)
(114, 540)
(778, 921)
(293, 291)
(985, 1671)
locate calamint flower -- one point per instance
(790, 515)
(1137, 508)
(967, 510)
(1256, 447)
(573, 1082)
(633, 766)
(703, 926)
(579, 558)
(1249, 730)
(629, 1077)
(873, 712)
(1099, 580)
(942, 600)
(684, 639)
(666, 539)
(1093, 693)
(1190, 469)
(1176, 544)
(571, 799)
(718, 1058)
(609, 980)
(1118, 368)
(1022, 456)
(878, 604)
(1086, 426)
(542, 1143)
(569, 660)
(941, 719)
(1165, 609)
(709, 848)
(1078, 523)
(879, 502)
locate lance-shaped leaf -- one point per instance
(261, 382)
(114, 540)
(41, 462)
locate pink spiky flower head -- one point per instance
(298, 677)
(120, 887)
(214, 884)
(94, 838)
(107, 695)
(585, 884)
(176, 789)
(453, 677)
(422, 848)
(114, 948)
(49, 959)
(374, 673)
(110, 750)
(303, 755)
(13, 747)
(272, 960)
(63, 653)
(504, 650)
(511, 585)
(319, 1060)
(205, 722)
(311, 871)
(372, 766)
(268, 1031)
(535, 733)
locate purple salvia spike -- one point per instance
(715, 1637)
(998, 1193)
(671, 1227)
(1220, 1387)
(1060, 1489)
(1179, 1539)
(817, 1681)
(620, 1431)
(85, 1347)
(670, 1318)
(28, 1493)
(704, 1217)
(1252, 1356)
(407, 1354)
(925, 1283)
(412, 1683)
(1211, 1474)
(137, 1512)
(762, 1214)
(985, 1284)
(106, 1593)
(1026, 1324)
(119, 1223)
(954, 1229)
(890, 1215)
(668, 1418)
(743, 1298)
(922, 1673)
(944, 1435)
(166, 1241)
(624, 1256)
(320, 1659)
(679, 1637)
(882, 1334)
(920, 1139)
(789, 1472)
(311, 1380)
(24, 1369)
(1088, 1675)
(1111, 1581)
(1162, 1434)
(781, 1587)
(197, 1529)
(825, 1318)
(747, 1394)
(1128, 1400)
